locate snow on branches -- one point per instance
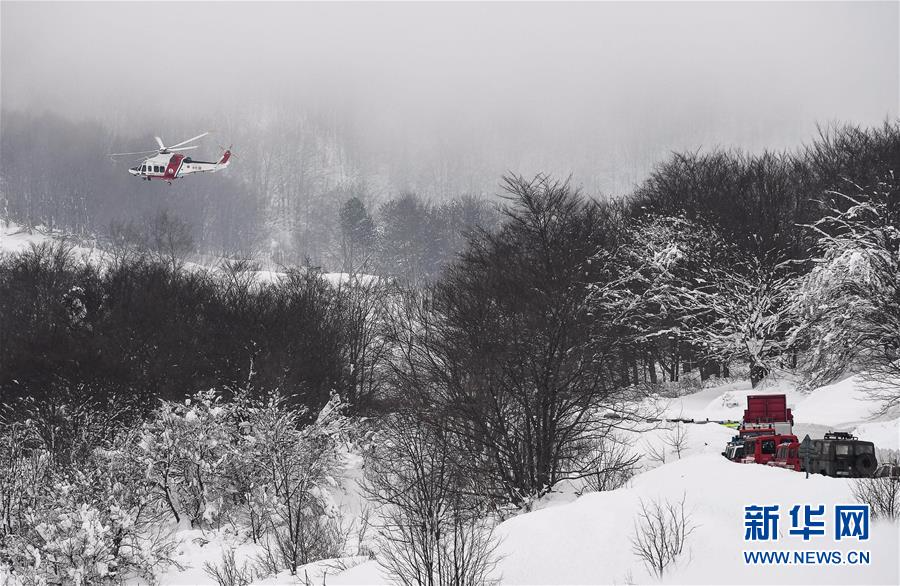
(202, 462)
(683, 284)
(848, 306)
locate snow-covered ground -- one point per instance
(588, 541)
(571, 539)
(15, 238)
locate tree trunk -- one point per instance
(757, 373)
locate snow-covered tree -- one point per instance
(683, 288)
(93, 522)
(748, 307)
(289, 470)
(848, 306)
(184, 449)
(663, 276)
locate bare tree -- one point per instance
(616, 464)
(363, 310)
(170, 238)
(432, 530)
(881, 494)
(507, 352)
(677, 438)
(660, 534)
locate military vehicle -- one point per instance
(842, 454)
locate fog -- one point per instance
(420, 91)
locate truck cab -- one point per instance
(734, 450)
(787, 456)
(763, 449)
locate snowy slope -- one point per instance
(586, 540)
(14, 238)
(571, 539)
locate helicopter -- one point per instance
(168, 164)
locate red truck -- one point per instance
(766, 416)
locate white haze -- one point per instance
(471, 90)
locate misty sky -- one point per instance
(600, 90)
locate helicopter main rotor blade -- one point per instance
(134, 153)
(159, 141)
(170, 149)
(175, 146)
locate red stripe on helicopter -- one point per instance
(173, 167)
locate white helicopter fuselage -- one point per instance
(171, 166)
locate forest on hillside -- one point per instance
(301, 196)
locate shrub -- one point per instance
(660, 533)
(294, 466)
(89, 527)
(24, 466)
(228, 573)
